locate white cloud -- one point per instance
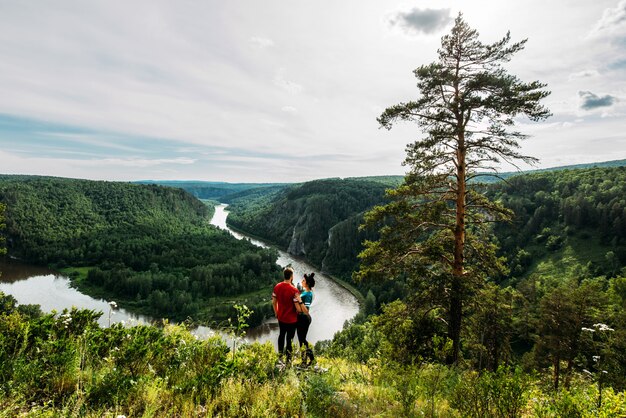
(135, 162)
(289, 109)
(583, 74)
(290, 87)
(261, 42)
(612, 22)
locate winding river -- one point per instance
(332, 306)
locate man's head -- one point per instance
(288, 273)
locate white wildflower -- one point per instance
(113, 305)
(602, 327)
(596, 358)
(588, 329)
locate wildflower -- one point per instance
(113, 305)
(603, 327)
(588, 329)
(596, 358)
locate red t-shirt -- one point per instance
(286, 294)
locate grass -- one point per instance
(82, 370)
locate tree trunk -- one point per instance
(557, 371)
(454, 326)
(456, 297)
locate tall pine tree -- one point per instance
(435, 231)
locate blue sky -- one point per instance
(278, 90)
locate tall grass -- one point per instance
(65, 365)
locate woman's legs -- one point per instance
(304, 322)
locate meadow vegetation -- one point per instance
(64, 364)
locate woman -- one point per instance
(304, 318)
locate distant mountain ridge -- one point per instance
(489, 178)
(213, 190)
(221, 189)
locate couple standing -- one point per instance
(291, 306)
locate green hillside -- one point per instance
(567, 221)
(307, 218)
(319, 220)
(148, 246)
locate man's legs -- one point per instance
(291, 332)
(281, 336)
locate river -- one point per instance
(332, 305)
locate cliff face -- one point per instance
(296, 245)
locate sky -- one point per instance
(278, 90)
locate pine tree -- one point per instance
(436, 228)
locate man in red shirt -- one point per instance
(284, 300)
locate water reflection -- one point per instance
(32, 285)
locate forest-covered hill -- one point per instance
(562, 301)
(151, 247)
(566, 221)
(318, 220)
